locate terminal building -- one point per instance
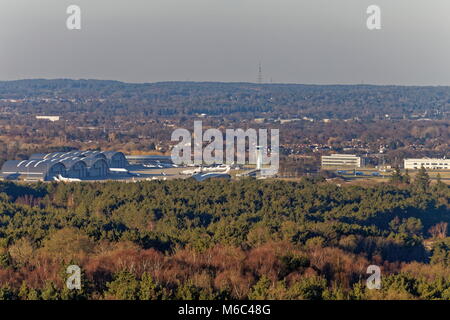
(427, 163)
(149, 159)
(80, 165)
(342, 160)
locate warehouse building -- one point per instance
(427, 163)
(149, 159)
(82, 165)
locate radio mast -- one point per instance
(260, 77)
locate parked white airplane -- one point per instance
(122, 170)
(60, 178)
(191, 172)
(218, 169)
(222, 169)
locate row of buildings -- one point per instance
(350, 160)
(80, 165)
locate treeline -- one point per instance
(247, 239)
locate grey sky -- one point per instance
(297, 41)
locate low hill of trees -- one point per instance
(247, 239)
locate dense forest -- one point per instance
(248, 239)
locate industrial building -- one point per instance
(80, 165)
(149, 160)
(49, 118)
(342, 160)
(427, 163)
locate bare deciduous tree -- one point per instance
(439, 230)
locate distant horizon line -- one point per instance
(225, 82)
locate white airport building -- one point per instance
(342, 160)
(427, 163)
(50, 118)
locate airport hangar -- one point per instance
(83, 165)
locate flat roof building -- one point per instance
(148, 159)
(427, 163)
(342, 160)
(50, 118)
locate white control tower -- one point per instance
(259, 157)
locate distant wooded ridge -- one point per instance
(216, 99)
(86, 84)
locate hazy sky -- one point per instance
(297, 41)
